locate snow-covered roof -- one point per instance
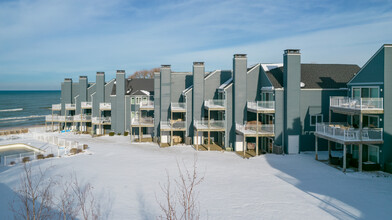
(226, 83)
(269, 66)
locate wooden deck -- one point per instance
(248, 154)
(213, 147)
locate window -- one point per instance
(267, 96)
(314, 119)
(370, 121)
(138, 100)
(365, 92)
(133, 100)
(144, 98)
(373, 153)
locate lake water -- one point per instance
(26, 108)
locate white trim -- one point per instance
(228, 86)
(210, 74)
(253, 68)
(267, 88)
(337, 89)
(363, 87)
(359, 72)
(369, 83)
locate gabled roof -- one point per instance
(316, 76)
(137, 87)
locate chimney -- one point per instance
(165, 91)
(239, 88)
(66, 94)
(119, 109)
(99, 92)
(292, 92)
(198, 90)
(83, 84)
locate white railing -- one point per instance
(56, 107)
(178, 106)
(147, 104)
(101, 120)
(86, 104)
(214, 124)
(215, 103)
(82, 118)
(357, 104)
(173, 124)
(344, 132)
(70, 106)
(105, 106)
(261, 105)
(254, 129)
(143, 121)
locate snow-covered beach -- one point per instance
(126, 178)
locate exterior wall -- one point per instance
(108, 90)
(157, 103)
(253, 84)
(75, 92)
(90, 91)
(279, 118)
(212, 82)
(99, 94)
(372, 71)
(178, 83)
(165, 92)
(291, 82)
(189, 117)
(66, 94)
(230, 129)
(119, 108)
(239, 88)
(386, 155)
(83, 83)
(316, 101)
(198, 88)
(127, 113)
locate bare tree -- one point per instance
(184, 194)
(34, 196)
(144, 74)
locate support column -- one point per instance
(197, 140)
(329, 151)
(171, 128)
(360, 158)
(344, 157)
(140, 134)
(209, 132)
(316, 147)
(244, 144)
(257, 133)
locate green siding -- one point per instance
(372, 71)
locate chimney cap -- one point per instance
(292, 51)
(82, 77)
(165, 66)
(198, 63)
(239, 55)
(100, 73)
(68, 79)
(120, 71)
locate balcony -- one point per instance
(261, 106)
(86, 105)
(344, 134)
(216, 125)
(261, 130)
(83, 118)
(51, 118)
(105, 106)
(347, 105)
(143, 122)
(102, 120)
(56, 107)
(173, 125)
(215, 104)
(147, 105)
(178, 106)
(70, 106)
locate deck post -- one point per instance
(140, 133)
(344, 157)
(52, 121)
(171, 127)
(329, 151)
(209, 132)
(257, 133)
(197, 140)
(316, 147)
(360, 158)
(243, 147)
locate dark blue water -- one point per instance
(25, 108)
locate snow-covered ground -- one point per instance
(265, 187)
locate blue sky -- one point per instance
(44, 41)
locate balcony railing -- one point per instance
(101, 120)
(56, 107)
(86, 104)
(215, 103)
(253, 129)
(70, 106)
(82, 118)
(105, 106)
(357, 104)
(344, 132)
(214, 124)
(261, 105)
(51, 117)
(147, 104)
(173, 125)
(178, 106)
(143, 121)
